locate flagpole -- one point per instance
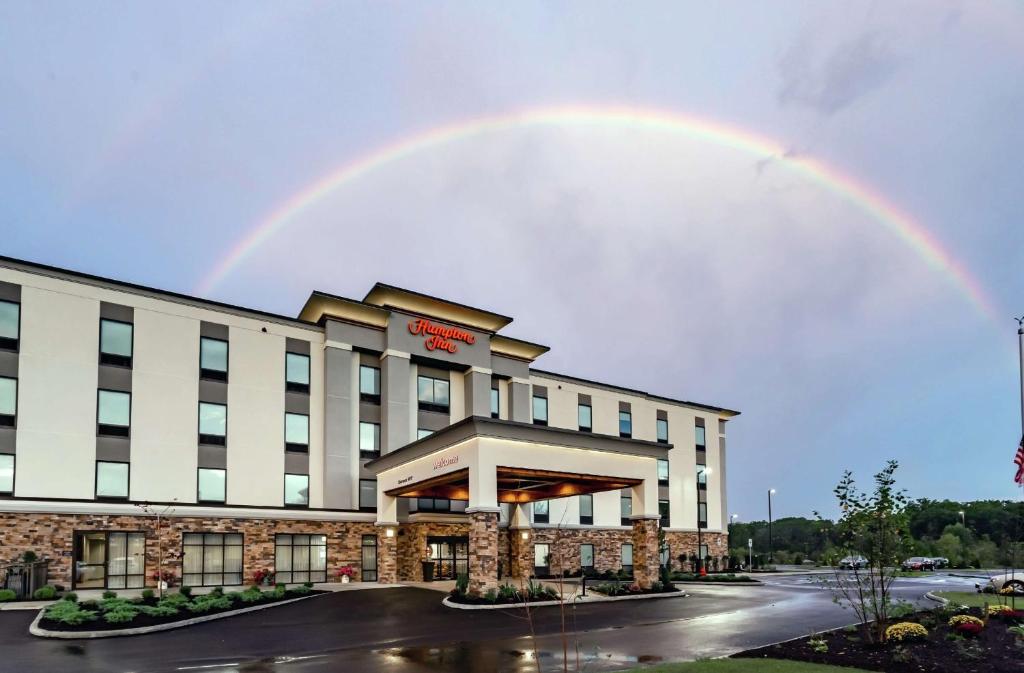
(1020, 346)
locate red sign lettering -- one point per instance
(440, 337)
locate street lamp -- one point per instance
(704, 472)
(963, 519)
(771, 548)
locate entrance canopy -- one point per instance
(488, 461)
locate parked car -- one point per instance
(940, 562)
(996, 583)
(853, 563)
(918, 563)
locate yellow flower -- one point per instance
(998, 609)
(965, 619)
(905, 631)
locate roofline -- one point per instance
(386, 286)
(152, 292)
(634, 391)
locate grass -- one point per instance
(914, 573)
(744, 666)
(973, 599)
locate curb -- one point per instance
(36, 630)
(447, 602)
(752, 583)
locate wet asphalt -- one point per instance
(406, 630)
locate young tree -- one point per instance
(874, 526)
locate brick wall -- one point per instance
(412, 545)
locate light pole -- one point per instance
(963, 519)
(771, 547)
(700, 524)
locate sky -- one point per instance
(809, 212)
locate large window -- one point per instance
(6, 473)
(432, 394)
(368, 558)
(587, 509)
(368, 495)
(699, 432)
(627, 557)
(212, 559)
(663, 510)
(10, 325)
(112, 560)
(587, 557)
(541, 511)
(111, 479)
(369, 384)
(115, 343)
(625, 424)
(296, 490)
(213, 423)
(296, 432)
(8, 401)
(662, 430)
(114, 413)
(495, 403)
(663, 472)
(440, 505)
(369, 439)
(584, 414)
(702, 515)
(541, 555)
(212, 485)
(213, 359)
(300, 558)
(296, 372)
(540, 410)
(626, 509)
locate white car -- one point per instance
(1013, 579)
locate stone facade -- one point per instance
(412, 544)
(387, 555)
(645, 552)
(483, 552)
(685, 543)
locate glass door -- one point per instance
(106, 560)
(450, 556)
(90, 560)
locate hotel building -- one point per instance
(374, 434)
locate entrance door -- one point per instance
(109, 560)
(450, 556)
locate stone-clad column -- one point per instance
(483, 549)
(520, 543)
(645, 550)
(387, 554)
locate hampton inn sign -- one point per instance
(440, 337)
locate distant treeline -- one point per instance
(991, 538)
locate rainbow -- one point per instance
(914, 234)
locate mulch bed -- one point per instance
(142, 619)
(994, 649)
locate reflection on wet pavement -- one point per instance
(481, 657)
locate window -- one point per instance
(495, 403)
(212, 559)
(368, 495)
(703, 551)
(665, 556)
(213, 423)
(662, 430)
(296, 490)
(113, 560)
(663, 472)
(584, 414)
(587, 556)
(113, 413)
(702, 515)
(587, 509)
(111, 480)
(300, 558)
(369, 439)
(540, 410)
(663, 510)
(626, 510)
(6, 473)
(699, 432)
(213, 359)
(296, 372)
(368, 558)
(10, 325)
(440, 505)
(625, 424)
(212, 484)
(115, 343)
(702, 477)
(423, 432)
(8, 401)
(541, 511)
(369, 384)
(296, 432)
(541, 555)
(432, 394)
(627, 557)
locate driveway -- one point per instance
(405, 630)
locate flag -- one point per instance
(1018, 460)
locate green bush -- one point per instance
(29, 557)
(108, 604)
(7, 595)
(462, 584)
(69, 613)
(185, 590)
(507, 592)
(147, 594)
(109, 594)
(217, 591)
(208, 603)
(234, 595)
(308, 585)
(301, 590)
(70, 596)
(46, 593)
(121, 615)
(250, 595)
(91, 604)
(159, 610)
(491, 596)
(176, 600)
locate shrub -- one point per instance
(7, 595)
(217, 591)
(91, 604)
(121, 615)
(46, 593)
(250, 595)
(308, 585)
(491, 596)
(997, 610)
(209, 602)
(461, 584)
(176, 600)
(69, 613)
(109, 594)
(29, 557)
(957, 620)
(159, 610)
(905, 631)
(969, 629)
(108, 604)
(185, 590)
(507, 592)
(70, 596)
(147, 594)
(301, 590)
(1017, 631)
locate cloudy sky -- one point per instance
(719, 254)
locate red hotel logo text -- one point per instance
(448, 461)
(440, 337)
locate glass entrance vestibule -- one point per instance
(450, 556)
(109, 560)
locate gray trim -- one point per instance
(299, 346)
(117, 312)
(477, 393)
(369, 413)
(116, 449)
(479, 426)
(699, 423)
(213, 457)
(397, 401)
(662, 415)
(9, 364)
(369, 360)
(215, 392)
(115, 378)
(296, 463)
(8, 440)
(519, 402)
(10, 291)
(539, 391)
(432, 420)
(362, 336)
(213, 330)
(509, 367)
(339, 409)
(433, 372)
(296, 403)
(584, 400)
(625, 406)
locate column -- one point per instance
(478, 392)
(483, 549)
(519, 400)
(396, 403)
(645, 550)
(520, 543)
(387, 554)
(340, 392)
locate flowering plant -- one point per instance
(165, 576)
(994, 610)
(905, 631)
(263, 576)
(957, 620)
(969, 629)
(346, 571)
